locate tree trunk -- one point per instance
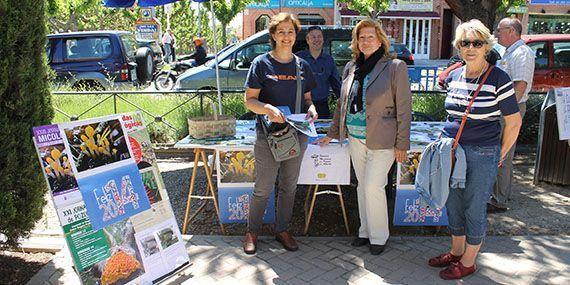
(483, 10)
(224, 35)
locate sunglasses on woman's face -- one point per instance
(475, 43)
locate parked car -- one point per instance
(102, 59)
(235, 61)
(552, 62)
(401, 52)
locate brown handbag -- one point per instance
(466, 114)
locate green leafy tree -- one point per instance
(226, 10)
(370, 8)
(487, 11)
(24, 102)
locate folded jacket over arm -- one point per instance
(435, 175)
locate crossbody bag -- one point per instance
(284, 144)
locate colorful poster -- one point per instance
(140, 140)
(151, 186)
(325, 165)
(113, 195)
(96, 143)
(87, 246)
(236, 167)
(234, 205)
(54, 159)
(124, 264)
(408, 211)
(406, 175)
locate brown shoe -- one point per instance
(250, 243)
(287, 241)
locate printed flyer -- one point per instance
(325, 165)
(54, 159)
(110, 199)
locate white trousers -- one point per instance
(372, 167)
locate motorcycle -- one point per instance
(165, 79)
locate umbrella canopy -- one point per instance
(151, 3)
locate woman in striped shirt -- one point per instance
(481, 141)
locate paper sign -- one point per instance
(326, 165)
(563, 112)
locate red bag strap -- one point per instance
(468, 109)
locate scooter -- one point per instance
(165, 79)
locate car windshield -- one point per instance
(222, 54)
(398, 48)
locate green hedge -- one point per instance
(24, 103)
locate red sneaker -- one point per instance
(456, 271)
(444, 260)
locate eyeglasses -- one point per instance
(475, 43)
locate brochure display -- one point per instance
(110, 199)
(408, 209)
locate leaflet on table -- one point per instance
(325, 165)
(563, 112)
(299, 122)
(55, 162)
(162, 248)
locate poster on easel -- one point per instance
(408, 208)
(110, 199)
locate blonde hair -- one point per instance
(278, 19)
(476, 27)
(369, 23)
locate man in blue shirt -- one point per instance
(324, 70)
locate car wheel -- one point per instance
(145, 64)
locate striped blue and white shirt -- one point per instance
(496, 98)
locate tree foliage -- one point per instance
(370, 8)
(226, 10)
(487, 11)
(24, 102)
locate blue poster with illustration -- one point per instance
(234, 205)
(113, 195)
(408, 211)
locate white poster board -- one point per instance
(563, 112)
(325, 165)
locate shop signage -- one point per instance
(148, 29)
(550, 2)
(518, 10)
(411, 5)
(269, 4)
(275, 4)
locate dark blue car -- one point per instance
(101, 59)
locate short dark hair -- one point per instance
(312, 28)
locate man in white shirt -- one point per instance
(167, 41)
(518, 63)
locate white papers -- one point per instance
(303, 125)
(325, 165)
(563, 112)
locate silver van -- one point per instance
(234, 62)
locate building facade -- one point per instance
(309, 12)
(547, 17)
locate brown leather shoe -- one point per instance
(287, 241)
(250, 243)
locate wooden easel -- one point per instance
(200, 153)
(314, 189)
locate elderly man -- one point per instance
(518, 63)
(324, 70)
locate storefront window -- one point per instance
(261, 23)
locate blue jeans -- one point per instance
(467, 208)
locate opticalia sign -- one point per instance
(275, 4)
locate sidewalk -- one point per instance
(220, 260)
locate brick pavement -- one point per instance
(220, 260)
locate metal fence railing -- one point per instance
(168, 111)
